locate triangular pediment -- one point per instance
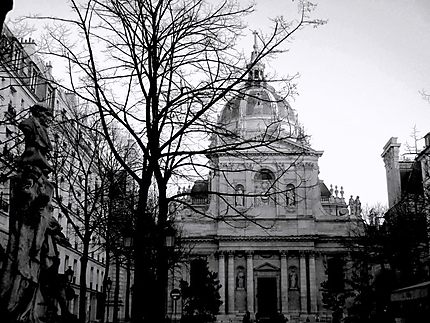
(291, 145)
(266, 267)
(280, 145)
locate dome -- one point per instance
(259, 109)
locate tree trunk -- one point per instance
(163, 261)
(141, 258)
(105, 277)
(127, 291)
(83, 282)
(116, 295)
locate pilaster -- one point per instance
(303, 284)
(230, 282)
(221, 277)
(312, 283)
(250, 282)
(284, 282)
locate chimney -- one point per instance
(391, 161)
(29, 46)
(48, 71)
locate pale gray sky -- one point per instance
(360, 77)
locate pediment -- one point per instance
(267, 267)
(294, 146)
(283, 145)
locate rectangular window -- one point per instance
(66, 263)
(34, 79)
(335, 274)
(91, 277)
(75, 270)
(97, 279)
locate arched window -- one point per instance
(265, 175)
(239, 198)
(264, 181)
(290, 195)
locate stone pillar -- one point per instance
(221, 277)
(303, 284)
(284, 282)
(312, 283)
(230, 282)
(250, 282)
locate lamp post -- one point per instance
(169, 243)
(69, 276)
(108, 287)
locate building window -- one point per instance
(197, 269)
(265, 175)
(75, 270)
(290, 195)
(91, 277)
(4, 202)
(239, 198)
(34, 79)
(97, 279)
(264, 181)
(66, 263)
(335, 279)
(17, 58)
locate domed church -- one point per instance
(263, 219)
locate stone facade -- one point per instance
(270, 227)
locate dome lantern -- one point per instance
(256, 72)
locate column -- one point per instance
(230, 282)
(303, 284)
(284, 282)
(250, 282)
(312, 283)
(221, 277)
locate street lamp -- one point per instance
(69, 274)
(169, 243)
(108, 287)
(169, 235)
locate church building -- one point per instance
(263, 219)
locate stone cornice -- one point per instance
(314, 238)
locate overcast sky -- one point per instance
(359, 80)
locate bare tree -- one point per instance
(161, 70)
(89, 188)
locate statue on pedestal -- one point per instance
(31, 290)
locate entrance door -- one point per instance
(267, 296)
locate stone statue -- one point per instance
(37, 143)
(29, 282)
(292, 277)
(240, 280)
